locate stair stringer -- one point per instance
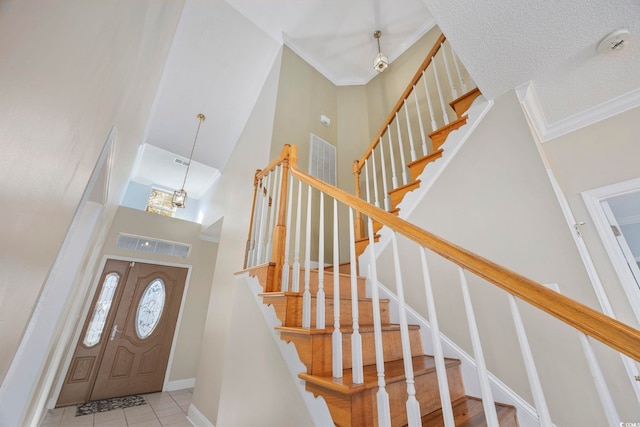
(527, 416)
(316, 406)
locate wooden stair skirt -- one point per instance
(355, 405)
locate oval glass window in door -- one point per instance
(150, 308)
(101, 310)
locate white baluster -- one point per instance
(287, 245)
(530, 366)
(306, 296)
(463, 85)
(423, 137)
(253, 248)
(434, 125)
(295, 281)
(413, 407)
(445, 117)
(264, 192)
(382, 397)
(412, 149)
(375, 179)
(403, 164)
(438, 355)
(357, 369)
(384, 176)
(366, 177)
(454, 93)
(394, 177)
(273, 208)
(483, 375)
(336, 336)
(601, 385)
(320, 295)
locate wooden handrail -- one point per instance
(401, 100)
(609, 331)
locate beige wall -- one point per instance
(602, 154)
(232, 376)
(201, 259)
(76, 69)
(496, 200)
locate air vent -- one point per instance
(181, 161)
(153, 246)
(322, 160)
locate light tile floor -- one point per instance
(166, 409)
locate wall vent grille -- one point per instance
(153, 246)
(322, 160)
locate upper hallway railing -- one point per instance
(281, 221)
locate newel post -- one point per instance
(358, 223)
(280, 231)
(253, 212)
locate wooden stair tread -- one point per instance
(411, 184)
(393, 372)
(344, 329)
(281, 294)
(469, 412)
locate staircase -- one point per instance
(369, 369)
(355, 404)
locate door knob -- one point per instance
(114, 331)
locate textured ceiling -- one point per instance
(552, 43)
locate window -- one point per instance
(101, 310)
(160, 203)
(150, 308)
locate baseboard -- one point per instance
(180, 384)
(196, 418)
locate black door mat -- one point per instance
(109, 404)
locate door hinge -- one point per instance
(616, 231)
(576, 227)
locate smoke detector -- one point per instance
(614, 41)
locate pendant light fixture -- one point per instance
(381, 62)
(179, 199)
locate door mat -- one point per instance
(109, 404)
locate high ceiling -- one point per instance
(223, 50)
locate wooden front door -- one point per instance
(125, 343)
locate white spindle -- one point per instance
(463, 85)
(320, 295)
(412, 405)
(601, 385)
(412, 148)
(483, 375)
(445, 117)
(434, 125)
(357, 368)
(257, 209)
(438, 355)
(336, 336)
(382, 397)
(273, 208)
(384, 176)
(366, 177)
(403, 164)
(264, 192)
(375, 179)
(295, 281)
(287, 244)
(454, 93)
(306, 296)
(423, 137)
(530, 366)
(394, 177)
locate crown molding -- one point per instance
(546, 132)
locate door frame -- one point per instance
(592, 199)
(85, 312)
